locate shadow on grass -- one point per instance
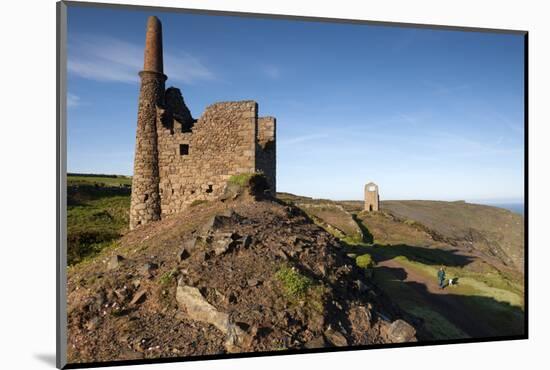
(428, 256)
(78, 195)
(476, 316)
(367, 235)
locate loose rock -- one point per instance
(114, 262)
(336, 338)
(139, 297)
(147, 268)
(198, 308)
(400, 332)
(318, 342)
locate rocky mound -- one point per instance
(238, 275)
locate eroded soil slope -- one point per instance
(232, 276)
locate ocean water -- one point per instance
(514, 207)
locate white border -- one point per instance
(28, 182)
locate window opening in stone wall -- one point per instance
(184, 149)
(146, 197)
(210, 189)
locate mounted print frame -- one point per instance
(237, 185)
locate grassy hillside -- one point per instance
(404, 246)
(490, 230)
(97, 214)
(488, 300)
(105, 180)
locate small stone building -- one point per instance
(179, 159)
(372, 199)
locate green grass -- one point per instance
(168, 277)
(438, 326)
(413, 303)
(294, 284)
(492, 297)
(97, 215)
(486, 285)
(241, 179)
(364, 261)
(301, 291)
(100, 180)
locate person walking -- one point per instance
(441, 277)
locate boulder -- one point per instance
(335, 338)
(197, 308)
(231, 192)
(221, 246)
(114, 262)
(218, 221)
(183, 254)
(139, 297)
(318, 342)
(147, 268)
(400, 332)
(253, 282)
(188, 247)
(223, 242)
(236, 339)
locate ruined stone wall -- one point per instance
(372, 198)
(220, 144)
(179, 159)
(265, 150)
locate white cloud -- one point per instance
(301, 139)
(104, 58)
(72, 100)
(465, 147)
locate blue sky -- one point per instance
(426, 114)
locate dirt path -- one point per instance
(444, 301)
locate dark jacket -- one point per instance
(441, 275)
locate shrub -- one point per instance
(82, 244)
(168, 276)
(364, 261)
(255, 183)
(294, 283)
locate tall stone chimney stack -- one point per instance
(153, 46)
(145, 202)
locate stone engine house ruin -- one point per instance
(372, 199)
(179, 159)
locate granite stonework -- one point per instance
(372, 198)
(179, 159)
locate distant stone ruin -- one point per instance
(372, 199)
(179, 159)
